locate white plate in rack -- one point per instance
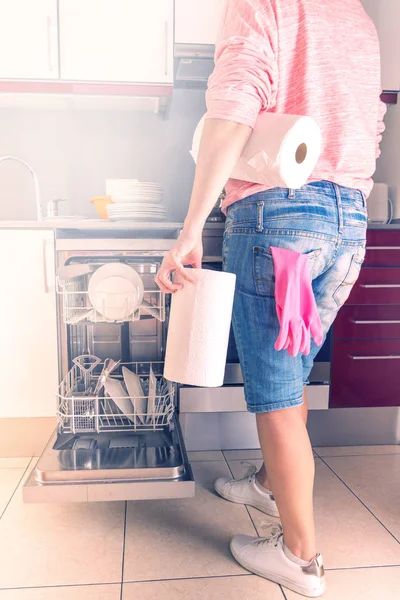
(116, 291)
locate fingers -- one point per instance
(163, 277)
(163, 280)
(185, 273)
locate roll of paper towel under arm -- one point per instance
(198, 330)
(282, 150)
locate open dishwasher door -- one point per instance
(112, 443)
(147, 467)
(109, 447)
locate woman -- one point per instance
(300, 57)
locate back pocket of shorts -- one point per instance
(343, 291)
(264, 273)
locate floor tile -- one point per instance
(60, 544)
(242, 454)
(359, 584)
(348, 535)
(197, 456)
(9, 480)
(185, 538)
(356, 450)
(247, 587)
(88, 592)
(15, 463)
(376, 481)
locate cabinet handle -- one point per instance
(48, 277)
(390, 357)
(383, 247)
(166, 47)
(397, 322)
(49, 44)
(370, 286)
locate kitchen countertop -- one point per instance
(87, 224)
(101, 225)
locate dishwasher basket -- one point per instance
(77, 306)
(80, 411)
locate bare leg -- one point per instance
(288, 455)
(262, 476)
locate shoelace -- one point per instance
(272, 539)
(251, 471)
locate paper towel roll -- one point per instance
(198, 330)
(282, 150)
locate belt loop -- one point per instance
(291, 193)
(260, 216)
(364, 197)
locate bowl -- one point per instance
(100, 203)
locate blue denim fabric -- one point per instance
(323, 220)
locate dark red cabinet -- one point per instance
(377, 285)
(366, 334)
(367, 373)
(368, 322)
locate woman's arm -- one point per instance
(244, 83)
(221, 145)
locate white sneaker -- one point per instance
(266, 557)
(247, 491)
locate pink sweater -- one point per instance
(303, 57)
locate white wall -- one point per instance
(75, 151)
(388, 167)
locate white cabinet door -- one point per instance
(197, 21)
(28, 339)
(28, 39)
(386, 16)
(117, 40)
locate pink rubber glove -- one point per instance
(295, 303)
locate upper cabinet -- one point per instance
(116, 40)
(386, 16)
(197, 21)
(28, 39)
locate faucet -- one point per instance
(35, 182)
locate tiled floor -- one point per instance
(180, 549)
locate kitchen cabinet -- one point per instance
(366, 333)
(116, 40)
(197, 21)
(28, 343)
(386, 16)
(365, 373)
(28, 39)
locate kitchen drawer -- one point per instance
(365, 373)
(367, 322)
(377, 285)
(383, 248)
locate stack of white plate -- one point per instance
(135, 200)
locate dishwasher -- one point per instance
(99, 451)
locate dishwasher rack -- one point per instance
(80, 411)
(78, 308)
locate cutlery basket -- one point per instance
(80, 411)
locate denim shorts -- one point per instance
(323, 220)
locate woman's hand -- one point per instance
(187, 250)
